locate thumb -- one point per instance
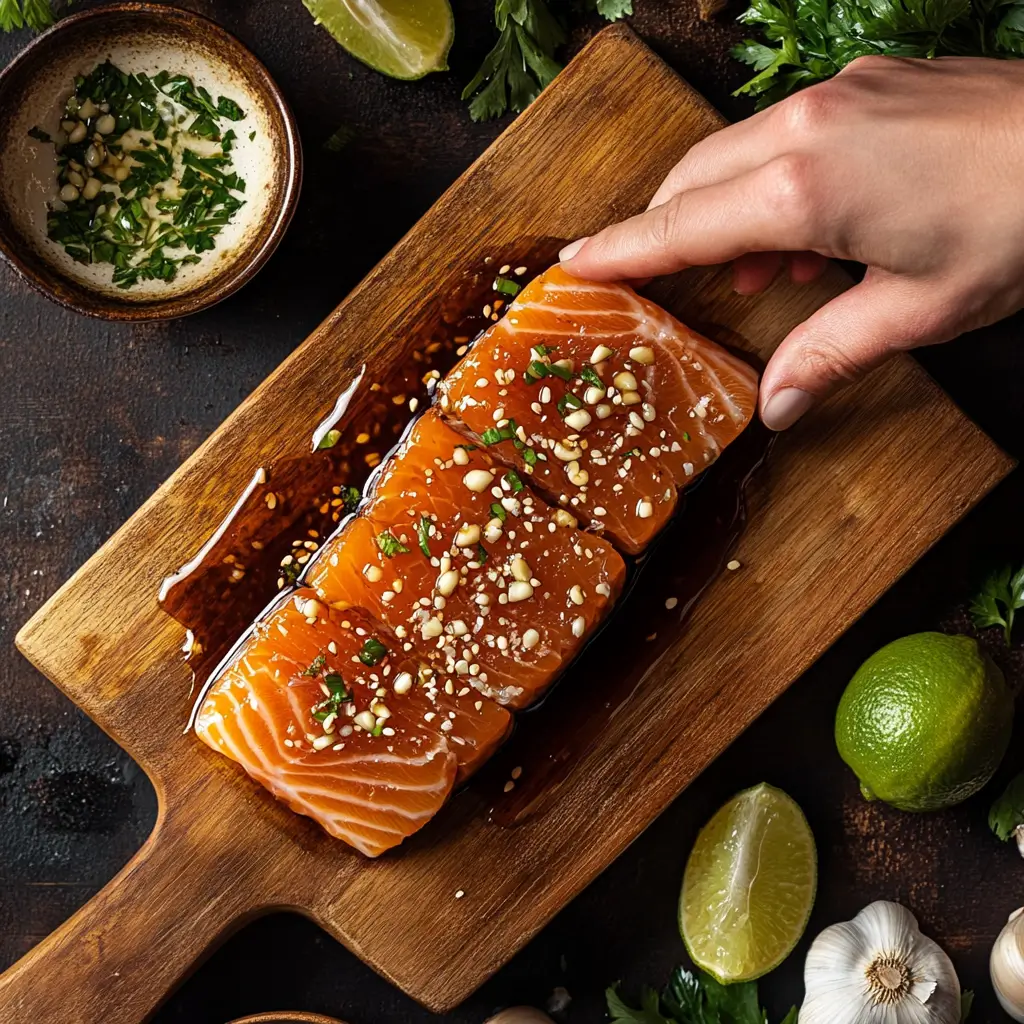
(846, 338)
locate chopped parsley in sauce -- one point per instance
(144, 173)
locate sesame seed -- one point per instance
(733, 565)
(509, 786)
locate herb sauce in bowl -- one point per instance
(142, 168)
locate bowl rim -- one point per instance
(241, 270)
(287, 1017)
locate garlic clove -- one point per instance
(1006, 966)
(879, 969)
(520, 1015)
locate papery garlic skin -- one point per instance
(520, 1015)
(879, 969)
(1007, 966)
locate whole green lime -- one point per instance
(925, 721)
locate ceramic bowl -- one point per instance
(141, 37)
(285, 1017)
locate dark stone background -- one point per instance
(94, 416)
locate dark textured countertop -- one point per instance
(93, 417)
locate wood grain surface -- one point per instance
(849, 499)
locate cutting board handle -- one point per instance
(118, 957)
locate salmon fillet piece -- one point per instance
(478, 576)
(607, 402)
(320, 709)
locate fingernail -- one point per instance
(785, 407)
(572, 249)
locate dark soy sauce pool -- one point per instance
(283, 520)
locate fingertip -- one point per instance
(782, 409)
(753, 272)
(572, 249)
(806, 267)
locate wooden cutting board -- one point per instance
(851, 498)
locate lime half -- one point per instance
(402, 38)
(749, 886)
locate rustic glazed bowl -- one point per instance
(285, 1017)
(143, 37)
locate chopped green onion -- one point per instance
(482, 555)
(334, 682)
(686, 436)
(498, 511)
(351, 497)
(317, 666)
(373, 651)
(589, 374)
(631, 452)
(536, 371)
(545, 350)
(514, 481)
(329, 440)
(390, 545)
(468, 447)
(507, 286)
(568, 400)
(560, 371)
(530, 457)
(423, 533)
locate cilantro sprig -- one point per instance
(809, 41)
(1006, 819)
(998, 601)
(693, 999)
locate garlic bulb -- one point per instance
(879, 968)
(1007, 966)
(520, 1015)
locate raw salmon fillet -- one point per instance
(476, 574)
(328, 714)
(607, 402)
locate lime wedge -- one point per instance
(402, 38)
(749, 886)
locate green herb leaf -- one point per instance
(1007, 814)
(317, 666)
(612, 10)
(966, 1005)
(390, 545)
(648, 1013)
(423, 534)
(589, 374)
(340, 139)
(351, 497)
(999, 600)
(329, 440)
(568, 401)
(373, 651)
(514, 481)
(521, 63)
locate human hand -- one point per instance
(912, 167)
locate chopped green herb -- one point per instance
(38, 133)
(136, 222)
(568, 401)
(468, 447)
(329, 440)
(514, 481)
(331, 705)
(630, 453)
(423, 534)
(252, 135)
(544, 350)
(560, 371)
(336, 685)
(378, 729)
(495, 435)
(351, 497)
(373, 651)
(317, 666)
(498, 511)
(291, 571)
(481, 554)
(589, 374)
(340, 139)
(536, 371)
(1006, 819)
(507, 286)
(390, 545)
(530, 457)
(686, 436)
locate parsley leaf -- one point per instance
(521, 63)
(1007, 814)
(809, 41)
(998, 601)
(693, 999)
(613, 10)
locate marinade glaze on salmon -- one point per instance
(607, 402)
(482, 562)
(477, 575)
